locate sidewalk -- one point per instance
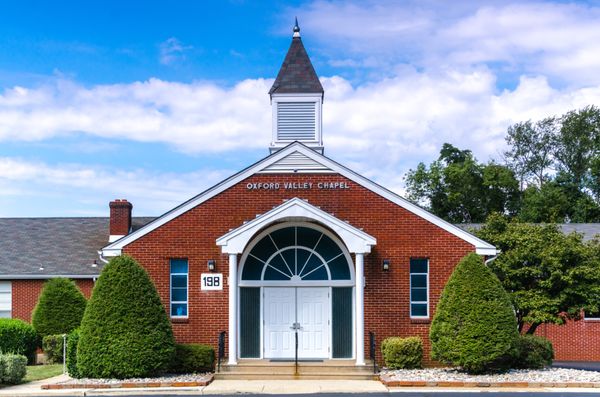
(216, 387)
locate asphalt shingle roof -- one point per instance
(297, 74)
(587, 230)
(61, 246)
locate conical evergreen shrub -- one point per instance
(474, 326)
(59, 309)
(125, 331)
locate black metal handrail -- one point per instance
(296, 357)
(372, 347)
(221, 353)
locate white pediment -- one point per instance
(295, 210)
(296, 162)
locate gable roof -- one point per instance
(61, 246)
(356, 240)
(297, 74)
(481, 247)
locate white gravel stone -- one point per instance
(160, 379)
(560, 375)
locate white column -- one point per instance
(232, 309)
(360, 310)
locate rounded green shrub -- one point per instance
(533, 352)
(474, 326)
(13, 368)
(71, 358)
(18, 337)
(59, 309)
(125, 331)
(192, 358)
(402, 353)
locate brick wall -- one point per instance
(400, 236)
(25, 294)
(574, 341)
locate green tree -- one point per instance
(530, 149)
(578, 143)
(551, 277)
(59, 309)
(459, 189)
(125, 331)
(474, 326)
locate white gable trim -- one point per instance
(296, 209)
(481, 247)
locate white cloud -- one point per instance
(86, 186)
(172, 50)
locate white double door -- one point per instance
(304, 308)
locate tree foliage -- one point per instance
(59, 309)
(474, 326)
(550, 276)
(459, 189)
(125, 331)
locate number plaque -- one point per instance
(211, 282)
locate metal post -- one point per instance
(64, 354)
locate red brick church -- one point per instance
(293, 243)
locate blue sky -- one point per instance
(156, 101)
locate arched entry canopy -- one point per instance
(296, 209)
(297, 216)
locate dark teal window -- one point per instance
(179, 287)
(296, 253)
(419, 288)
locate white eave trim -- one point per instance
(355, 239)
(482, 247)
(46, 276)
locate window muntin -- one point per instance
(419, 288)
(179, 287)
(296, 253)
(5, 299)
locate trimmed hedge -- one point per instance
(59, 309)
(18, 337)
(474, 326)
(192, 358)
(53, 347)
(534, 352)
(13, 368)
(402, 353)
(125, 331)
(72, 341)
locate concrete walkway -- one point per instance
(216, 387)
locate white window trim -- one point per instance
(9, 293)
(410, 274)
(187, 288)
(585, 318)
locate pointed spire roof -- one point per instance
(297, 74)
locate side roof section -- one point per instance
(295, 148)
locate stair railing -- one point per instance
(221, 353)
(372, 347)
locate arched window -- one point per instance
(296, 253)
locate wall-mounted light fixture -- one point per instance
(386, 265)
(211, 265)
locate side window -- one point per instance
(5, 299)
(179, 288)
(419, 288)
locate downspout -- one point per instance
(493, 258)
(104, 260)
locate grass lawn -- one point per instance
(37, 372)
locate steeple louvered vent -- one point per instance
(296, 121)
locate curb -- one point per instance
(388, 382)
(127, 385)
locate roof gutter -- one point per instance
(45, 276)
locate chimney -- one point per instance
(120, 219)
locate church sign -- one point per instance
(333, 185)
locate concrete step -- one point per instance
(266, 369)
(322, 376)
